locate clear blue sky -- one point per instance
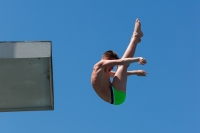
(166, 101)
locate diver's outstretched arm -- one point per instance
(123, 61)
(133, 72)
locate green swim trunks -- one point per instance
(117, 97)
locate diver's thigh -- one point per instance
(120, 78)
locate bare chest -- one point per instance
(100, 78)
(101, 84)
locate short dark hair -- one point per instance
(110, 54)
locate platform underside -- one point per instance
(25, 84)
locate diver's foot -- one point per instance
(137, 30)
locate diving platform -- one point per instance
(26, 76)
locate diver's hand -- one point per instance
(142, 61)
(141, 72)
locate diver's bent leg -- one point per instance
(120, 77)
